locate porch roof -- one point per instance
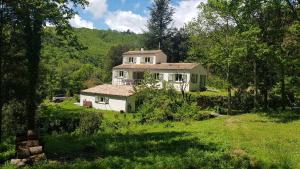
(161, 66)
(109, 89)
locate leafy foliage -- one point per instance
(65, 70)
(162, 104)
(90, 123)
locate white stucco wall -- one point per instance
(189, 86)
(116, 103)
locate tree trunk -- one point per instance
(1, 68)
(283, 96)
(265, 99)
(255, 84)
(229, 99)
(33, 39)
(229, 89)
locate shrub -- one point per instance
(202, 115)
(13, 118)
(7, 151)
(90, 122)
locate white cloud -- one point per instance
(185, 11)
(78, 22)
(124, 20)
(97, 7)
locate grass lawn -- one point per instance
(273, 141)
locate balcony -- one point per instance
(127, 81)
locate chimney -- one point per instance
(142, 49)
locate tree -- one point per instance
(254, 38)
(115, 54)
(12, 69)
(32, 15)
(159, 25)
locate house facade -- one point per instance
(117, 96)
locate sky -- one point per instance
(123, 15)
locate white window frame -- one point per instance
(102, 100)
(130, 60)
(158, 76)
(177, 79)
(147, 59)
(121, 74)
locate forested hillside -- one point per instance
(67, 69)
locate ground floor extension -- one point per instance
(109, 97)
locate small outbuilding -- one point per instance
(109, 97)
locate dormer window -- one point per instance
(147, 59)
(130, 60)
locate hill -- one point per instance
(67, 70)
(99, 42)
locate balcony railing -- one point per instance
(127, 81)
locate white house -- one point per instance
(118, 95)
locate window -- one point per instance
(130, 59)
(147, 59)
(121, 73)
(194, 78)
(158, 76)
(102, 100)
(177, 77)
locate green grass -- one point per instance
(269, 140)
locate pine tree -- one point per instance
(158, 34)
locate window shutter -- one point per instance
(134, 59)
(184, 78)
(171, 77)
(151, 59)
(106, 100)
(160, 76)
(125, 74)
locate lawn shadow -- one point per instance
(128, 146)
(282, 116)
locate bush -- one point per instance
(167, 105)
(7, 151)
(13, 118)
(55, 119)
(202, 115)
(90, 123)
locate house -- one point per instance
(118, 96)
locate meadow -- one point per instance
(254, 140)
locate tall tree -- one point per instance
(158, 34)
(33, 15)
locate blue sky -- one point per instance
(122, 15)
